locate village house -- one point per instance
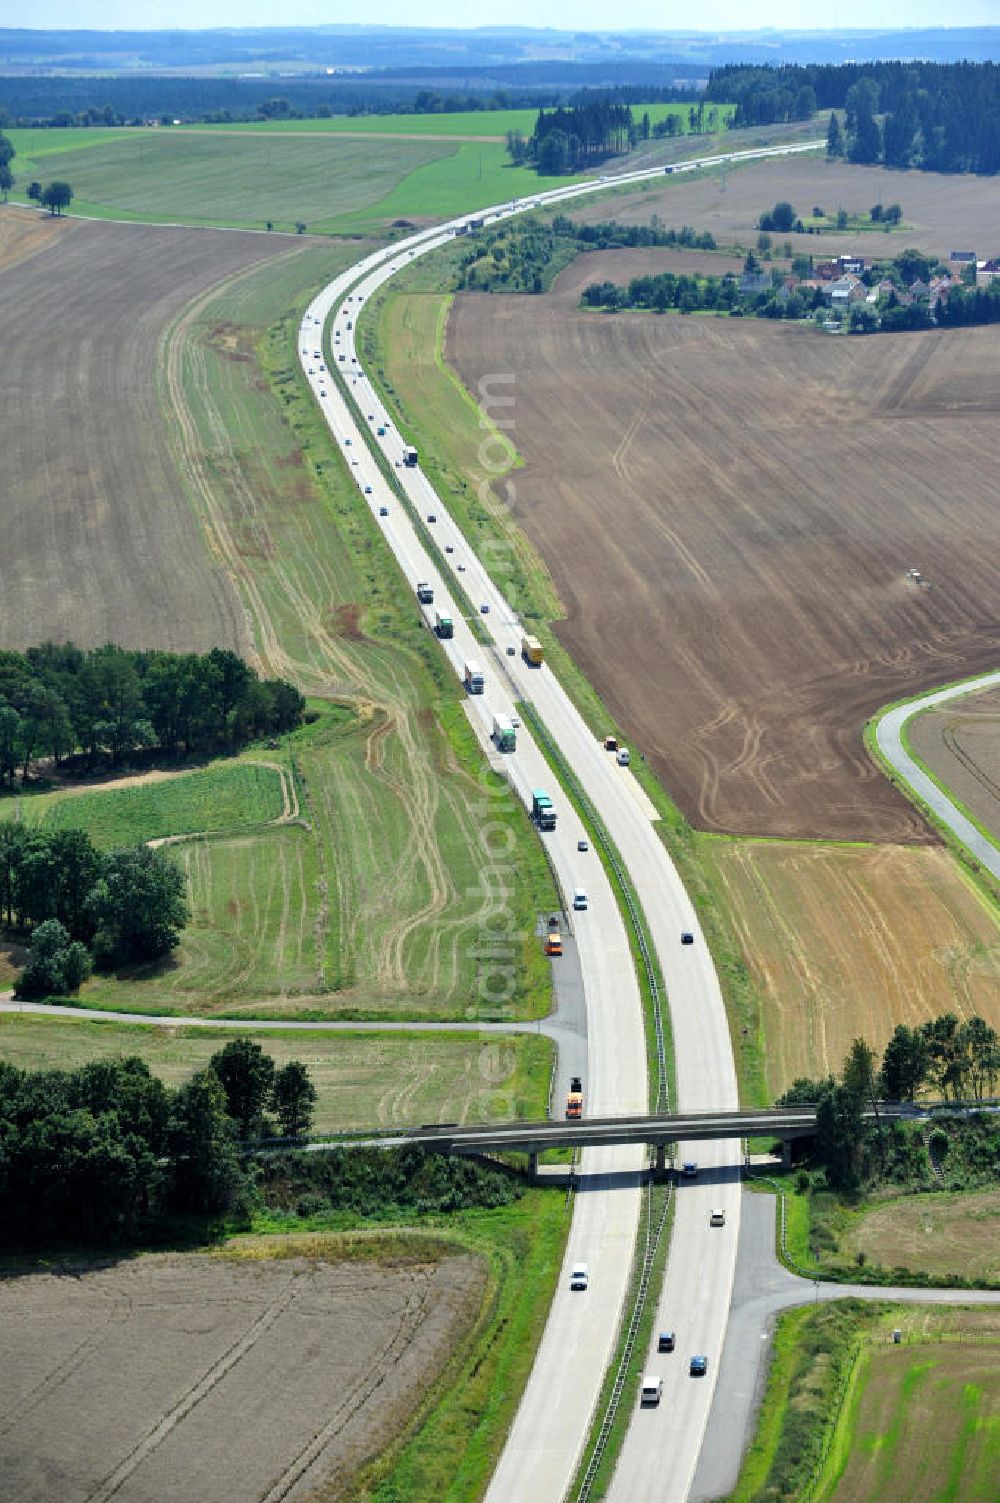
(961, 259)
(987, 272)
(845, 291)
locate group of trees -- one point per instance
(57, 700)
(82, 905)
(570, 138)
(56, 197)
(108, 1151)
(609, 234)
(694, 294)
(956, 1060)
(943, 117)
(7, 155)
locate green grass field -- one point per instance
(345, 175)
(376, 908)
(850, 1417)
(228, 796)
(237, 179)
(485, 124)
(362, 1079)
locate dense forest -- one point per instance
(943, 117)
(108, 1152)
(58, 700)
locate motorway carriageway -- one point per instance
(546, 1441)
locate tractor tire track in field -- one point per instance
(116, 1479)
(81, 1354)
(354, 1398)
(306, 596)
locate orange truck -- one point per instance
(553, 942)
(574, 1101)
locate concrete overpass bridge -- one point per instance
(783, 1123)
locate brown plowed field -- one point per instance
(847, 941)
(940, 213)
(99, 539)
(960, 743)
(728, 509)
(217, 1380)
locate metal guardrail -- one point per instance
(653, 1236)
(607, 845)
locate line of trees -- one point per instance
(693, 294)
(108, 1152)
(60, 700)
(82, 906)
(609, 234)
(943, 117)
(957, 1060)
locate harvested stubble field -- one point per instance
(960, 743)
(848, 941)
(922, 1422)
(360, 1079)
(937, 1234)
(105, 542)
(728, 509)
(941, 213)
(221, 1378)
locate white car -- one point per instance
(579, 1276)
(651, 1390)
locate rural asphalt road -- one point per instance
(889, 735)
(763, 1289)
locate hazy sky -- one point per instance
(562, 14)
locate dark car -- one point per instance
(383, 511)
(665, 1342)
(690, 1169)
(431, 517)
(687, 938)
(576, 1083)
(699, 1367)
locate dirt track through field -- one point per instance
(246, 1380)
(93, 511)
(729, 510)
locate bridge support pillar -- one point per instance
(660, 1162)
(533, 1166)
(786, 1153)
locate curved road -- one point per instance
(551, 1426)
(889, 736)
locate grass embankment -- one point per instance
(362, 1080)
(849, 1415)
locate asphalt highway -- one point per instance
(547, 1438)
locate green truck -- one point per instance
(542, 811)
(504, 734)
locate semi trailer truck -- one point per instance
(504, 734)
(473, 676)
(542, 810)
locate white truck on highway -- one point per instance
(475, 682)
